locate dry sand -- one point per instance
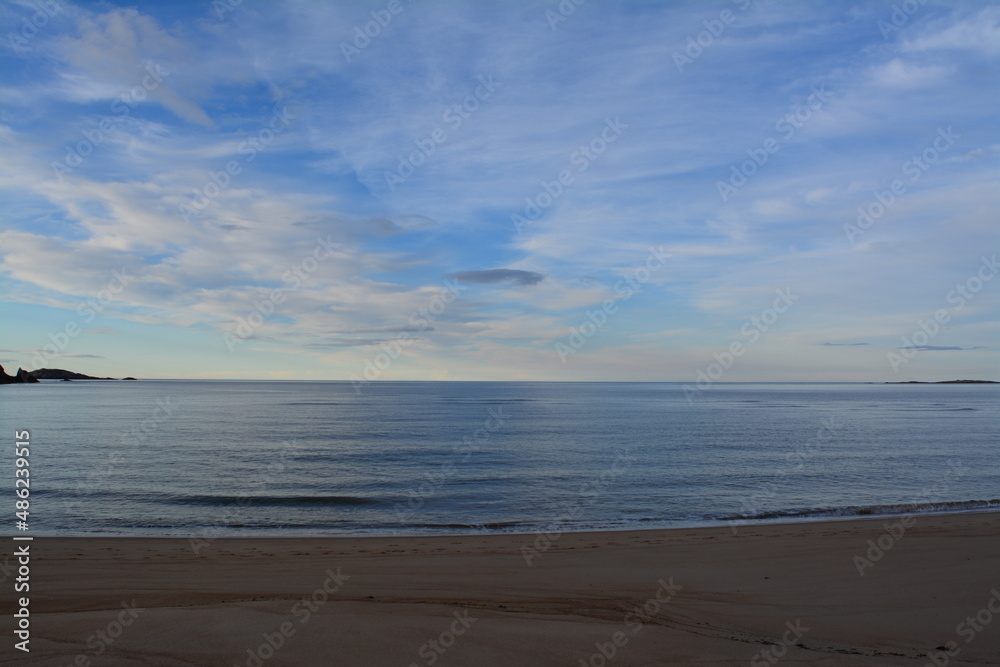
(733, 598)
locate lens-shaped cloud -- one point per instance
(496, 276)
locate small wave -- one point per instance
(495, 525)
(917, 409)
(868, 510)
(487, 400)
(319, 403)
(272, 501)
(195, 527)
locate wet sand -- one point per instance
(788, 593)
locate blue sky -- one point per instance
(501, 191)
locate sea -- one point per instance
(272, 458)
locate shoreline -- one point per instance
(718, 598)
(716, 524)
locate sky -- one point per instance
(694, 192)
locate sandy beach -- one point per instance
(791, 593)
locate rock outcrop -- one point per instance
(24, 376)
(21, 377)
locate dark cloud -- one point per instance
(494, 276)
(81, 356)
(349, 342)
(936, 348)
(232, 227)
(389, 329)
(844, 344)
(400, 225)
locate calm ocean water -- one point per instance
(294, 458)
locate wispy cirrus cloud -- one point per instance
(937, 348)
(385, 250)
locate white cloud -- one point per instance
(979, 33)
(898, 73)
(654, 186)
(119, 51)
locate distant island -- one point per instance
(60, 374)
(24, 377)
(947, 382)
